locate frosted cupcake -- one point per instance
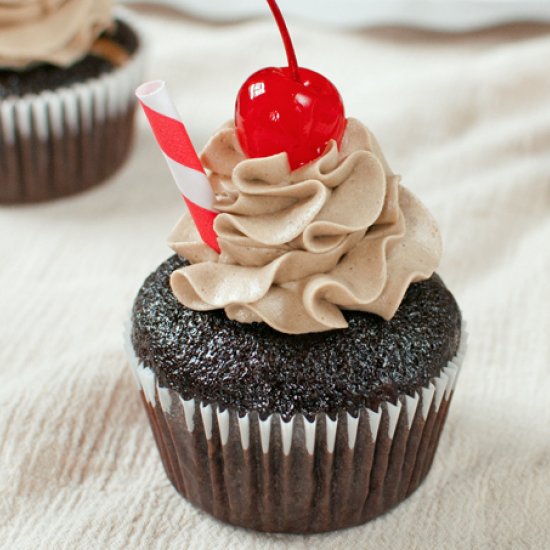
(275, 420)
(68, 69)
(297, 372)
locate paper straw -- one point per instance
(181, 157)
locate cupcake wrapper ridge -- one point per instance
(299, 475)
(60, 142)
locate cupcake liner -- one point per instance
(60, 142)
(298, 476)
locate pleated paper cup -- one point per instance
(61, 142)
(304, 475)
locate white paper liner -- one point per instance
(216, 418)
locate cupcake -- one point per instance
(298, 375)
(68, 69)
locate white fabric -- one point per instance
(465, 119)
(435, 14)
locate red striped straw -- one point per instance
(181, 157)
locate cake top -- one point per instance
(58, 32)
(251, 367)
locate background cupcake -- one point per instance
(67, 72)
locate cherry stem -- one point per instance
(290, 53)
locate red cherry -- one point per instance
(288, 109)
(276, 113)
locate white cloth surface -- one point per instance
(466, 120)
(457, 15)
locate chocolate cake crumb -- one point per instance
(253, 367)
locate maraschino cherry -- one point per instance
(288, 109)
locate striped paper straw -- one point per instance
(181, 157)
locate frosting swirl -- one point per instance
(53, 31)
(298, 247)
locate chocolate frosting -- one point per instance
(298, 247)
(53, 31)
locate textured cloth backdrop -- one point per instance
(466, 119)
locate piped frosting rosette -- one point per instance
(54, 31)
(299, 247)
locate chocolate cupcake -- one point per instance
(67, 74)
(299, 380)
